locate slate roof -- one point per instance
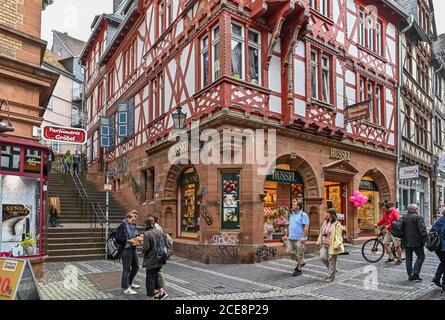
(73, 45)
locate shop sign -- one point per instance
(340, 154)
(13, 210)
(64, 134)
(32, 164)
(284, 176)
(357, 112)
(108, 187)
(189, 178)
(230, 187)
(409, 172)
(368, 185)
(17, 281)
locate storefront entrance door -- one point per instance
(335, 198)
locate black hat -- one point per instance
(386, 204)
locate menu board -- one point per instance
(230, 187)
(17, 281)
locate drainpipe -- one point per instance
(399, 107)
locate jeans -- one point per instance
(130, 264)
(153, 281)
(440, 273)
(76, 168)
(420, 253)
(329, 260)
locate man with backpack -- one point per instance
(414, 238)
(155, 253)
(389, 216)
(439, 228)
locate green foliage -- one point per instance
(46, 3)
(28, 242)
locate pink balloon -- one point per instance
(366, 199)
(352, 199)
(357, 194)
(357, 205)
(359, 199)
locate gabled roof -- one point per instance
(73, 45)
(410, 6)
(53, 58)
(96, 25)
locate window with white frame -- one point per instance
(320, 76)
(370, 90)
(216, 54)
(205, 68)
(254, 46)
(321, 6)
(237, 51)
(370, 32)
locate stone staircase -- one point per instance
(75, 238)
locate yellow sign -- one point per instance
(340, 154)
(17, 281)
(10, 274)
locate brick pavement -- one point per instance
(190, 280)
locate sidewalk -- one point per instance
(191, 280)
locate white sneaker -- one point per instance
(135, 286)
(130, 291)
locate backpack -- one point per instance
(397, 229)
(113, 248)
(433, 242)
(161, 253)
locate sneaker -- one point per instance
(390, 259)
(398, 262)
(130, 291)
(329, 279)
(163, 296)
(297, 273)
(437, 282)
(135, 286)
(416, 279)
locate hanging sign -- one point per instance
(64, 134)
(17, 281)
(358, 111)
(284, 176)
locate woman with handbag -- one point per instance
(330, 241)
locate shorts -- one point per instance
(390, 238)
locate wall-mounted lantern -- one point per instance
(6, 126)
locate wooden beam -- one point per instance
(275, 38)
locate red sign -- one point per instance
(358, 111)
(64, 134)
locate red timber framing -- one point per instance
(169, 70)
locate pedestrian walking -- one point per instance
(439, 227)
(53, 216)
(68, 161)
(296, 236)
(155, 256)
(169, 242)
(414, 238)
(128, 238)
(330, 241)
(76, 162)
(390, 214)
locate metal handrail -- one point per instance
(96, 209)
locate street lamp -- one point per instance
(179, 118)
(6, 126)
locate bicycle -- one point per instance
(373, 250)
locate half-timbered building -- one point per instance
(302, 68)
(417, 105)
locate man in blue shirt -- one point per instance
(297, 235)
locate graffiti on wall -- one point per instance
(224, 239)
(205, 215)
(265, 252)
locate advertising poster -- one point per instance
(14, 217)
(230, 201)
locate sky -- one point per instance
(72, 16)
(76, 16)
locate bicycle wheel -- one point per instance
(373, 250)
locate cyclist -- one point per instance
(390, 214)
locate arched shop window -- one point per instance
(280, 188)
(188, 207)
(369, 214)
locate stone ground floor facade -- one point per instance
(191, 280)
(206, 207)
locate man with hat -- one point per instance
(390, 214)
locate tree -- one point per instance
(46, 3)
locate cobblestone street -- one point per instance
(190, 280)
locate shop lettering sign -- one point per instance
(368, 185)
(15, 210)
(284, 176)
(358, 111)
(409, 172)
(64, 134)
(340, 154)
(17, 281)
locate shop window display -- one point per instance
(230, 201)
(369, 213)
(335, 198)
(189, 207)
